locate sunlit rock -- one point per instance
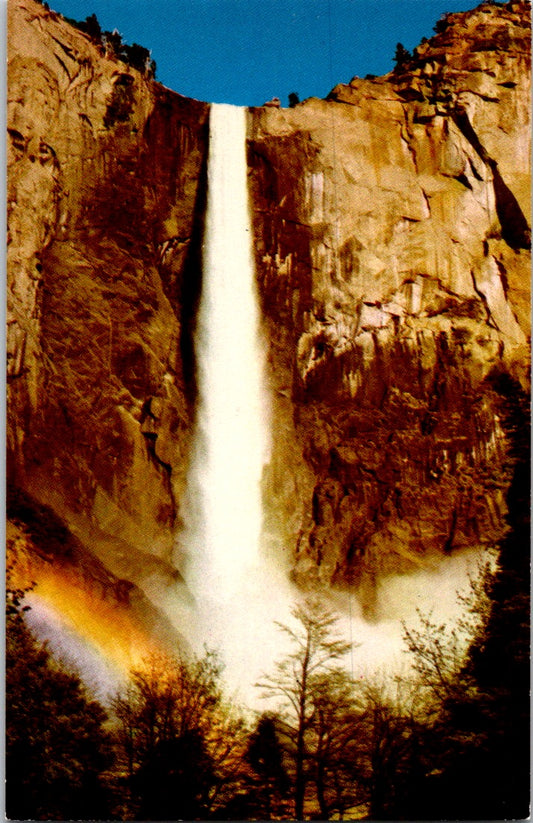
(392, 256)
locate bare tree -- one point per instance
(439, 651)
(391, 732)
(337, 743)
(300, 682)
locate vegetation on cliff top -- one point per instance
(111, 44)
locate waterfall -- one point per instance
(237, 594)
(232, 422)
(223, 507)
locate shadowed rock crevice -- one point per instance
(515, 228)
(188, 298)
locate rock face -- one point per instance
(392, 251)
(104, 205)
(393, 256)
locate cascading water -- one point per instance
(223, 508)
(238, 595)
(232, 423)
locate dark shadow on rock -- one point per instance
(191, 289)
(515, 229)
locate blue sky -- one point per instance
(247, 51)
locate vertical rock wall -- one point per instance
(392, 250)
(393, 258)
(105, 210)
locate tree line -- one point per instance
(450, 740)
(171, 746)
(111, 43)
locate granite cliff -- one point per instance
(104, 202)
(392, 244)
(392, 254)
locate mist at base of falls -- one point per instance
(245, 633)
(244, 628)
(75, 651)
(238, 596)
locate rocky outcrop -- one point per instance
(104, 204)
(393, 253)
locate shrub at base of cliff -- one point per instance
(57, 750)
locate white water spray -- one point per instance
(238, 595)
(223, 508)
(232, 423)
